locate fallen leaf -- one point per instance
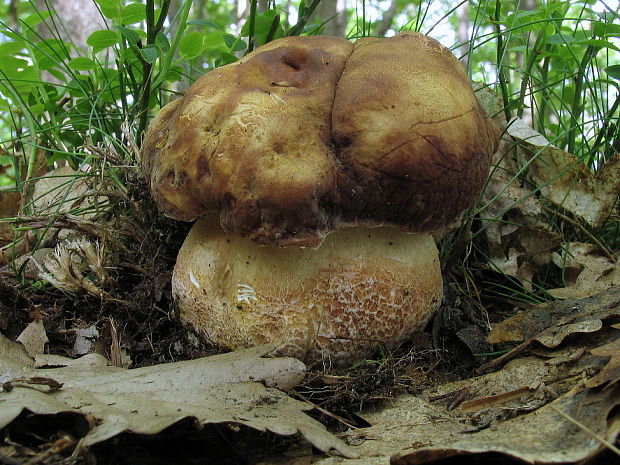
(553, 336)
(492, 103)
(610, 374)
(234, 388)
(565, 180)
(538, 242)
(507, 264)
(543, 437)
(522, 423)
(55, 361)
(551, 323)
(34, 338)
(84, 339)
(9, 205)
(521, 132)
(64, 189)
(518, 242)
(504, 191)
(588, 269)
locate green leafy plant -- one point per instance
(556, 66)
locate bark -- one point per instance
(12, 14)
(336, 10)
(243, 10)
(75, 21)
(263, 6)
(462, 32)
(386, 20)
(526, 113)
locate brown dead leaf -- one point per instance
(84, 339)
(9, 205)
(520, 421)
(564, 179)
(491, 102)
(55, 361)
(518, 242)
(587, 269)
(34, 338)
(234, 388)
(504, 191)
(544, 437)
(610, 374)
(64, 189)
(538, 242)
(553, 337)
(551, 323)
(507, 264)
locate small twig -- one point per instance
(327, 412)
(134, 267)
(52, 384)
(71, 222)
(584, 230)
(507, 356)
(459, 398)
(6, 460)
(442, 396)
(498, 399)
(115, 347)
(456, 398)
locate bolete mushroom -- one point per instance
(318, 170)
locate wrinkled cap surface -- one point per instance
(308, 134)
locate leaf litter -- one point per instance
(546, 407)
(555, 404)
(542, 409)
(226, 388)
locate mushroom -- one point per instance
(318, 171)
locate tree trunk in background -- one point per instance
(336, 10)
(76, 20)
(387, 19)
(286, 23)
(462, 32)
(173, 11)
(243, 11)
(526, 114)
(12, 13)
(263, 5)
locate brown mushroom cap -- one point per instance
(361, 289)
(253, 140)
(308, 134)
(413, 143)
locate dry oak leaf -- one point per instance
(413, 430)
(565, 180)
(551, 323)
(34, 338)
(587, 270)
(9, 204)
(540, 437)
(225, 388)
(610, 374)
